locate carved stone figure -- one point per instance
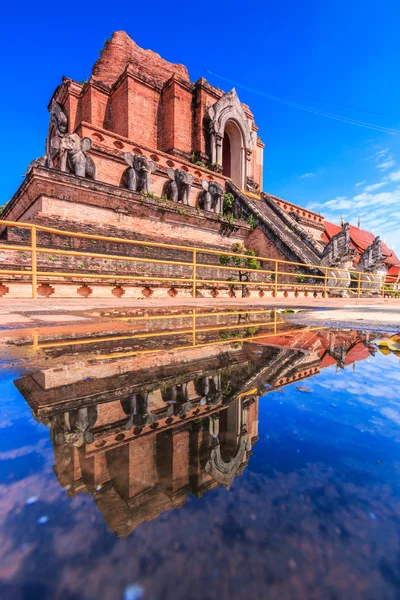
(213, 196)
(73, 155)
(74, 428)
(338, 251)
(177, 398)
(137, 177)
(137, 407)
(179, 185)
(252, 185)
(58, 127)
(58, 117)
(372, 257)
(42, 161)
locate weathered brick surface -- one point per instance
(121, 51)
(137, 94)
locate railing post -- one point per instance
(326, 282)
(383, 286)
(359, 285)
(34, 262)
(276, 278)
(194, 274)
(274, 321)
(194, 327)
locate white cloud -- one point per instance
(376, 210)
(387, 164)
(395, 176)
(360, 183)
(381, 153)
(307, 175)
(374, 186)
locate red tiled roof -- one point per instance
(358, 352)
(361, 239)
(393, 274)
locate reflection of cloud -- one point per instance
(365, 386)
(392, 414)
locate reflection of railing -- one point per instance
(319, 278)
(224, 333)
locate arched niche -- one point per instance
(230, 137)
(233, 442)
(233, 153)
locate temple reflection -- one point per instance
(143, 416)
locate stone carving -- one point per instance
(137, 407)
(337, 251)
(178, 400)
(58, 127)
(42, 161)
(137, 177)
(228, 108)
(73, 428)
(213, 196)
(58, 118)
(73, 157)
(209, 389)
(252, 185)
(372, 257)
(179, 185)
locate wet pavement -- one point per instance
(198, 453)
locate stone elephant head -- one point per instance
(137, 177)
(73, 155)
(137, 407)
(74, 428)
(213, 196)
(179, 185)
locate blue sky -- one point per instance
(336, 57)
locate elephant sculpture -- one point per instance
(179, 185)
(137, 176)
(177, 398)
(74, 428)
(137, 407)
(212, 197)
(73, 155)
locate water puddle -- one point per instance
(198, 454)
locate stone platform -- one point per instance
(53, 311)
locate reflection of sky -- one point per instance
(315, 514)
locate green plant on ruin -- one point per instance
(52, 258)
(251, 331)
(252, 221)
(182, 211)
(83, 81)
(230, 334)
(224, 259)
(195, 159)
(229, 201)
(301, 277)
(240, 261)
(227, 390)
(216, 167)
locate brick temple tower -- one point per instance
(140, 152)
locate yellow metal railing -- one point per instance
(303, 281)
(266, 330)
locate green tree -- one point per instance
(240, 261)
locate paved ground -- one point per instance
(334, 311)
